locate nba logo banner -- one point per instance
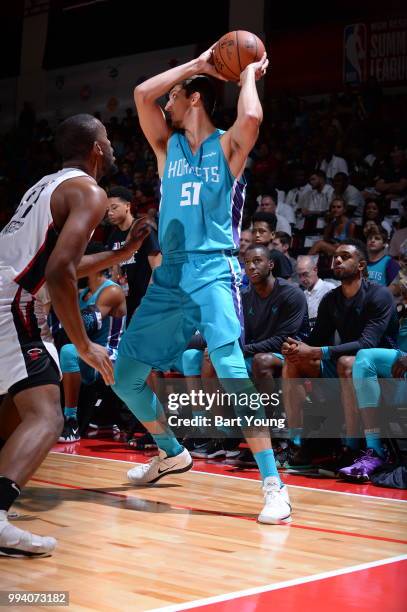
(354, 53)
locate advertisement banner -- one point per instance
(322, 58)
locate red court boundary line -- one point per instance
(229, 515)
(336, 591)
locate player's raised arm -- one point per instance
(89, 264)
(151, 115)
(241, 137)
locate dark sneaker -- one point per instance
(299, 459)
(116, 432)
(231, 446)
(70, 432)
(364, 465)
(340, 459)
(190, 443)
(232, 453)
(91, 431)
(281, 455)
(243, 459)
(209, 450)
(141, 443)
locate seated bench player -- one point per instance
(363, 315)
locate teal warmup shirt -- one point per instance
(201, 204)
(383, 271)
(112, 328)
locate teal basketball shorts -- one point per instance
(189, 292)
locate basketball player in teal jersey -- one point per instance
(196, 287)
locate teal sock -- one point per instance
(374, 441)
(168, 443)
(295, 434)
(352, 443)
(71, 412)
(266, 463)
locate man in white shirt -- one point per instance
(316, 201)
(301, 187)
(332, 164)
(314, 287)
(268, 203)
(351, 195)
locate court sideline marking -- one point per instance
(278, 585)
(363, 495)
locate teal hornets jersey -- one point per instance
(112, 328)
(377, 270)
(201, 201)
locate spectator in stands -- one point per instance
(264, 225)
(139, 181)
(301, 186)
(273, 309)
(373, 216)
(332, 164)
(136, 272)
(401, 278)
(351, 195)
(268, 204)
(363, 315)
(382, 268)
(314, 287)
(124, 176)
(246, 239)
(103, 308)
(339, 228)
(401, 234)
(282, 242)
(360, 171)
(316, 201)
(265, 166)
(392, 179)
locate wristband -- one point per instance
(326, 353)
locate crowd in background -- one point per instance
(361, 134)
(322, 172)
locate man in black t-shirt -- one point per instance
(362, 315)
(135, 272)
(273, 310)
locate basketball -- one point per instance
(234, 51)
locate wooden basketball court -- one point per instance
(193, 540)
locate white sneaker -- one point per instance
(15, 542)
(277, 508)
(160, 466)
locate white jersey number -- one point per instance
(190, 194)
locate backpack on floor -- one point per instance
(391, 475)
